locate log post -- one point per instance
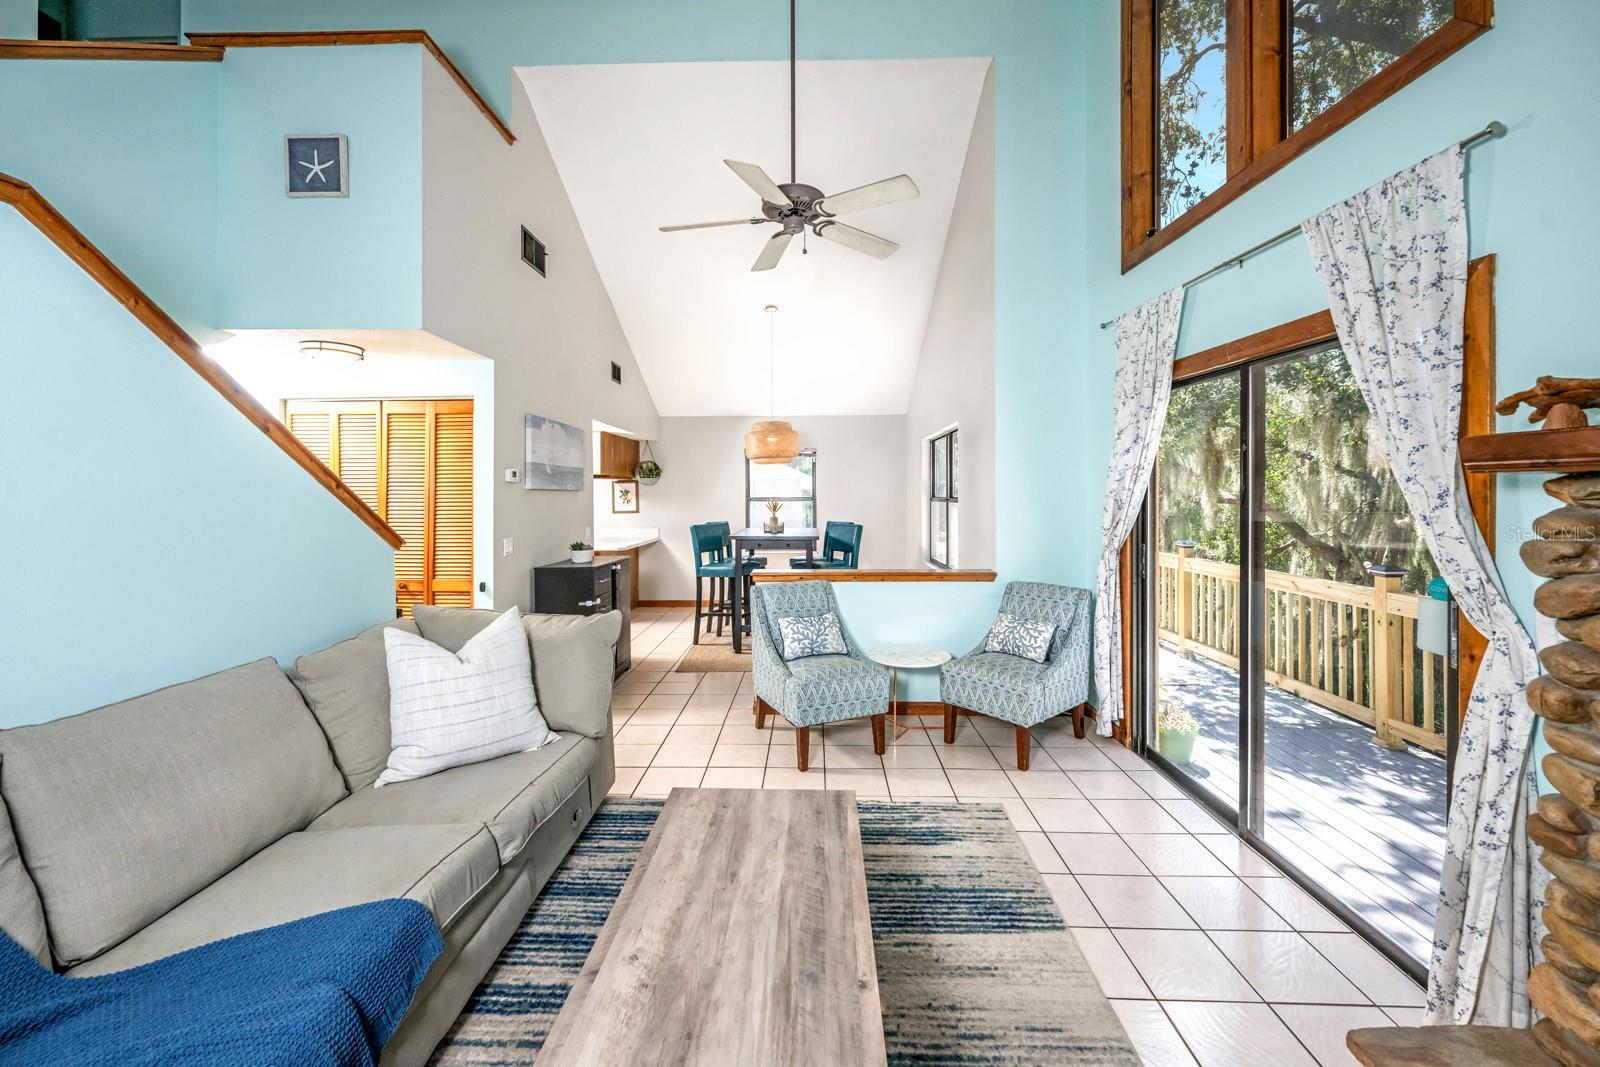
(1386, 637)
(1565, 988)
(1184, 623)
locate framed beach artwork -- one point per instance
(552, 454)
(625, 497)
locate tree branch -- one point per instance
(1324, 24)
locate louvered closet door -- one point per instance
(344, 435)
(411, 460)
(450, 555)
(405, 497)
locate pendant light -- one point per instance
(773, 441)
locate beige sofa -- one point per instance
(245, 799)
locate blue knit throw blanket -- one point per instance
(327, 989)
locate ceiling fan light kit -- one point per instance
(796, 206)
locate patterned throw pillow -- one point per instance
(1016, 636)
(814, 635)
(451, 708)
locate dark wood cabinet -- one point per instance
(568, 588)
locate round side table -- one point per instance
(904, 658)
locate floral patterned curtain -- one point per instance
(1393, 260)
(1147, 337)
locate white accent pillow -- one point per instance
(447, 709)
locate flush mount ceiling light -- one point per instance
(314, 349)
(773, 441)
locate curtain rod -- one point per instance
(1494, 129)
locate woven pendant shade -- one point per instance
(771, 442)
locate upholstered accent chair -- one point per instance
(1016, 689)
(841, 549)
(813, 690)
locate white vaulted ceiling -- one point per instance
(641, 146)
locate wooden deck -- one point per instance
(1367, 823)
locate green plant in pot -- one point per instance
(649, 471)
(582, 552)
(1175, 732)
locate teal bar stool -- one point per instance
(751, 563)
(712, 562)
(841, 549)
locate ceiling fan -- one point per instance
(794, 205)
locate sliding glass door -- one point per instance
(1298, 685)
(1198, 602)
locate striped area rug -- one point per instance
(975, 965)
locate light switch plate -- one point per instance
(505, 546)
(513, 474)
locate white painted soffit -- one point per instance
(641, 145)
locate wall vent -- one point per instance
(616, 373)
(533, 251)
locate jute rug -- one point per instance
(715, 654)
(974, 963)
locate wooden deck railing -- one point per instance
(1349, 648)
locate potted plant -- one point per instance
(772, 525)
(581, 552)
(1175, 732)
(649, 472)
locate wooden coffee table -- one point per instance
(741, 937)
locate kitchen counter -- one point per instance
(625, 540)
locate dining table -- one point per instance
(753, 539)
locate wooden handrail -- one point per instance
(50, 222)
(326, 38)
(26, 49)
(830, 574)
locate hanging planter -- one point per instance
(649, 471)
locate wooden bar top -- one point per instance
(837, 574)
(741, 937)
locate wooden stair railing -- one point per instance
(25, 49)
(50, 222)
(209, 47)
(325, 38)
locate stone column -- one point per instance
(1566, 987)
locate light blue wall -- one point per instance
(353, 262)
(19, 19)
(951, 615)
(151, 533)
(127, 152)
(1527, 194)
(1045, 525)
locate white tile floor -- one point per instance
(1209, 955)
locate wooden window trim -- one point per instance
(1477, 417)
(1256, 141)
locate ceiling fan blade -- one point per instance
(757, 179)
(888, 191)
(772, 251)
(860, 240)
(708, 225)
